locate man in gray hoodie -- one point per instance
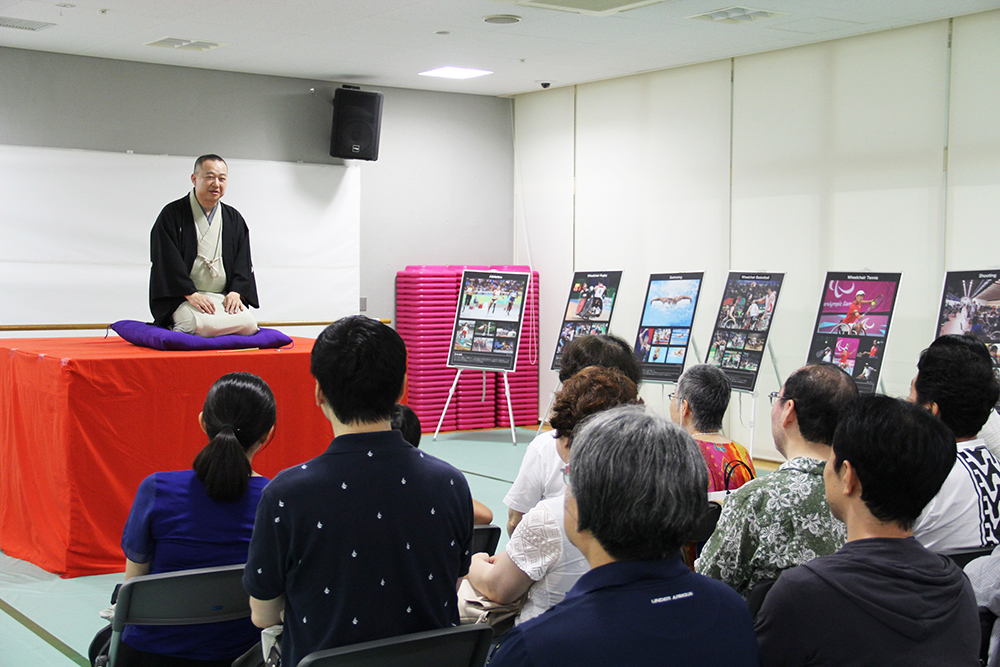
(882, 599)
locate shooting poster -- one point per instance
(488, 320)
(853, 323)
(592, 298)
(970, 304)
(742, 325)
(661, 344)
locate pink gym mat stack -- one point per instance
(426, 298)
(524, 380)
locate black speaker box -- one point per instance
(357, 115)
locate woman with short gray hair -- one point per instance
(636, 491)
(699, 406)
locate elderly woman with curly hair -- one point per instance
(539, 560)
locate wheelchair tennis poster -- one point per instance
(592, 298)
(488, 320)
(853, 323)
(661, 343)
(742, 325)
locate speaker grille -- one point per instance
(357, 115)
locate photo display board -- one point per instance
(742, 325)
(665, 326)
(592, 298)
(853, 323)
(488, 320)
(970, 304)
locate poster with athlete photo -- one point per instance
(853, 323)
(488, 320)
(742, 325)
(661, 344)
(592, 298)
(970, 304)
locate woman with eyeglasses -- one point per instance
(539, 560)
(698, 406)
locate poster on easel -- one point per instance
(742, 325)
(970, 304)
(852, 325)
(488, 320)
(661, 344)
(592, 299)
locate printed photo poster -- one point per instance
(970, 304)
(853, 323)
(488, 320)
(742, 325)
(661, 343)
(592, 298)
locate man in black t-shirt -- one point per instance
(368, 539)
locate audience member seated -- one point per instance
(883, 598)
(984, 575)
(540, 475)
(699, 405)
(368, 539)
(636, 491)
(201, 518)
(955, 382)
(782, 520)
(406, 421)
(539, 559)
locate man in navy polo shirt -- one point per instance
(368, 539)
(636, 491)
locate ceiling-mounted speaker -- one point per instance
(357, 115)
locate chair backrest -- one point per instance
(185, 597)
(962, 557)
(485, 538)
(706, 524)
(462, 646)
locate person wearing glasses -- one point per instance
(783, 520)
(539, 560)
(636, 492)
(698, 406)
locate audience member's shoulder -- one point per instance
(543, 440)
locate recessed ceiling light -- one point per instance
(502, 19)
(185, 44)
(736, 15)
(455, 72)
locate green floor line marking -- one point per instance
(44, 635)
(479, 474)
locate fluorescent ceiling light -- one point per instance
(455, 72)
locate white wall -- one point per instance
(833, 161)
(441, 191)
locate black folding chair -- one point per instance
(462, 646)
(185, 597)
(485, 538)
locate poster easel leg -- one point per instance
(753, 418)
(510, 409)
(552, 399)
(451, 392)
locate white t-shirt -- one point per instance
(965, 514)
(540, 548)
(540, 476)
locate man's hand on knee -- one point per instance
(233, 303)
(201, 302)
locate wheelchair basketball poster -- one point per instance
(661, 344)
(488, 320)
(853, 323)
(592, 298)
(742, 324)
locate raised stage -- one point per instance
(84, 420)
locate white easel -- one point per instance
(506, 389)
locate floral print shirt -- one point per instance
(771, 524)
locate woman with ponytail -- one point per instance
(201, 518)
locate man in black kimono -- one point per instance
(201, 280)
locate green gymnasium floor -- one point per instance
(46, 621)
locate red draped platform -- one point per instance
(84, 420)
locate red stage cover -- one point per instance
(84, 420)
